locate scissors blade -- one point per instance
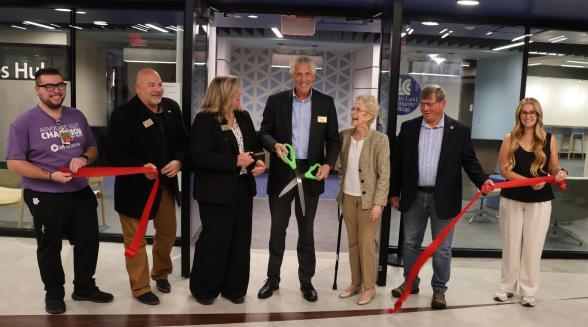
(288, 187)
(301, 196)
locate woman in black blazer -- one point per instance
(223, 143)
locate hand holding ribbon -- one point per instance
(131, 251)
(430, 250)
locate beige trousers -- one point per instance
(165, 236)
(361, 233)
(523, 227)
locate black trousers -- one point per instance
(72, 214)
(222, 252)
(280, 209)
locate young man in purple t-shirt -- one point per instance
(42, 140)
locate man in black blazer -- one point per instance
(307, 119)
(148, 131)
(429, 154)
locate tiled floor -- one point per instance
(562, 299)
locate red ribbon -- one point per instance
(430, 250)
(131, 251)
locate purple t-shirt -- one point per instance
(38, 138)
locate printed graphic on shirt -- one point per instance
(65, 134)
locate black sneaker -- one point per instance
(148, 298)
(163, 285)
(54, 306)
(95, 296)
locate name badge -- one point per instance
(66, 137)
(148, 123)
(322, 119)
(225, 127)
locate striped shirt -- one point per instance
(430, 140)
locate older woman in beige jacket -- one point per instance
(365, 172)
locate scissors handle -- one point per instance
(311, 172)
(290, 158)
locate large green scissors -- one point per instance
(290, 159)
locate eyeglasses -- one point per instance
(358, 109)
(51, 87)
(429, 104)
(529, 113)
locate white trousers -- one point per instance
(523, 227)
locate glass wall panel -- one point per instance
(30, 39)
(558, 78)
(111, 47)
(480, 68)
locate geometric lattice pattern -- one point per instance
(259, 80)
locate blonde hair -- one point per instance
(371, 105)
(219, 96)
(539, 137)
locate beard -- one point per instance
(52, 105)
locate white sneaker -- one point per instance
(528, 301)
(502, 296)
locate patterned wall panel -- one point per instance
(259, 80)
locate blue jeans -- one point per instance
(415, 223)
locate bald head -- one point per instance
(149, 88)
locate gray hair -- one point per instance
(431, 89)
(371, 105)
(303, 60)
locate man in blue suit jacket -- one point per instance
(429, 154)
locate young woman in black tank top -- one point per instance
(527, 151)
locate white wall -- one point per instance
(498, 84)
(223, 56)
(29, 37)
(91, 88)
(366, 69)
(563, 100)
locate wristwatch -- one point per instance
(85, 157)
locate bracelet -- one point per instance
(85, 157)
(50, 176)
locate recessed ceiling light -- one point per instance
(445, 35)
(468, 2)
(521, 37)
(508, 46)
(76, 27)
(63, 9)
(488, 33)
(443, 31)
(155, 27)
(430, 23)
(28, 22)
(100, 23)
(80, 12)
(252, 16)
(572, 66)
(18, 27)
(237, 16)
(277, 32)
(534, 64)
(577, 62)
(139, 28)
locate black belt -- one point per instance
(426, 189)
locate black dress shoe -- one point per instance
(148, 298)
(268, 288)
(95, 296)
(54, 306)
(204, 301)
(308, 292)
(163, 285)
